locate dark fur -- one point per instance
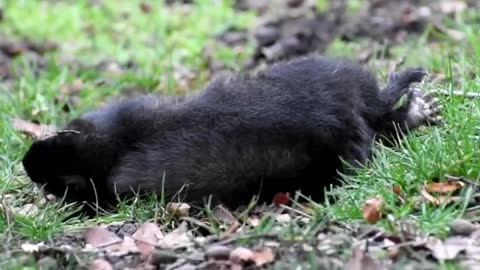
(279, 131)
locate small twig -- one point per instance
(457, 93)
(237, 237)
(199, 224)
(461, 179)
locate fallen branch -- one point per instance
(457, 93)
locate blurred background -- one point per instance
(109, 47)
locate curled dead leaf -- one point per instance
(100, 237)
(178, 209)
(176, 238)
(444, 188)
(438, 200)
(241, 255)
(263, 256)
(147, 236)
(126, 246)
(372, 210)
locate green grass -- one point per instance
(158, 43)
(169, 38)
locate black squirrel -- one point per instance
(288, 128)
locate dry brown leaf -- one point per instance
(176, 238)
(241, 255)
(362, 261)
(178, 209)
(100, 237)
(148, 232)
(101, 264)
(444, 188)
(34, 131)
(448, 249)
(263, 256)
(438, 200)
(125, 247)
(372, 210)
(147, 235)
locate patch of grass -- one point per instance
(156, 43)
(430, 153)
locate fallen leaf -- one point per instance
(263, 256)
(372, 210)
(362, 261)
(448, 249)
(101, 264)
(178, 209)
(444, 188)
(148, 232)
(35, 131)
(100, 237)
(281, 199)
(176, 238)
(147, 235)
(241, 255)
(438, 200)
(125, 247)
